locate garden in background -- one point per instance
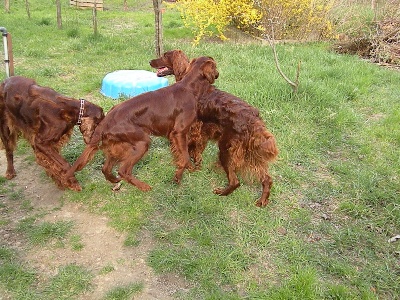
(331, 229)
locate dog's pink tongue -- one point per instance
(160, 70)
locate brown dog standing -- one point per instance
(124, 134)
(46, 119)
(245, 145)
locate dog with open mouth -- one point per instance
(124, 134)
(245, 145)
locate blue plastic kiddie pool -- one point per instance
(129, 83)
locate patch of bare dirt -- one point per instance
(103, 245)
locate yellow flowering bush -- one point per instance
(208, 18)
(297, 19)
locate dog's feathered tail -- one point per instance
(255, 154)
(88, 153)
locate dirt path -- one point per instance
(103, 246)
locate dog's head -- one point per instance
(173, 62)
(207, 67)
(92, 116)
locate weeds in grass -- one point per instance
(45, 232)
(124, 292)
(107, 269)
(76, 242)
(70, 281)
(17, 195)
(16, 279)
(131, 241)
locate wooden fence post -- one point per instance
(59, 19)
(10, 55)
(158, 27)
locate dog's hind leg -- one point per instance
(266, 183)
(196, 144)
(233, 181)
(233, 184)
(9, 140)
(179, 148)
(108, 167)
(133, 153)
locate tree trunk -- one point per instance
(158, 27)
(59, 20)
(7, 5)
(27, 9)
(374, 8)
(95, 18)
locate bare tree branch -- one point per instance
(294, 84)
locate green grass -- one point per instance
(124, 292)
(107, 269)
(22, 283)
(70, 281)
(14, 277)
(45, 232)
(76, 242)
(335, 200)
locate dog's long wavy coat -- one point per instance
(245, 145)
(124, 134)
(46, 120)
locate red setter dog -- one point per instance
(245, 145)
(124, 134)
(46, 119)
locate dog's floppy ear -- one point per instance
(66, 115)
(210, 70)
(180, 62)
(34, 90)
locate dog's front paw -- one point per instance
(10, 175)
(261, 203)
(144, 187)
(178, 175)
(72, 184)
(192, 168)
(76, 188)
(219, 191)
(177, 180)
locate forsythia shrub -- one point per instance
(208, 18)
(297, 19)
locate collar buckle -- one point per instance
(81, 110)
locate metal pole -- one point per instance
(7, 51)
